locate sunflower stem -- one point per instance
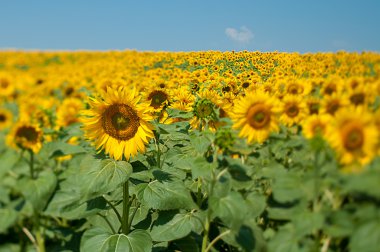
(199, 192)
(126, 206)
(40, 240)
(217, 239)
(316, 181)
(208, 216)
(158, 150)
(31, 164)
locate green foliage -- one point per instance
(97, 239)
(191, 191)
(165, 196)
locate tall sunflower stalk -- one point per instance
(118, 125)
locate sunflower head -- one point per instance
(67, 112)
(224, 138)
(293, 111)
(354, 136)
(256, 116)
(332, 104)
(7, 88)
(315, 125)
(6, 118)
(205, 109)
(26, 136)
(158, 98)
(118, 124)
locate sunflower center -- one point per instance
(332, 107)
(157, 98)
(313, 108)
(245, 85)
(222, 113)
(353, 137)
(4, 83)
(292, 110)
(27, 132)
(258, 116)
(120, 121)
(3, 118)
(162, 85)
(330, 90)
(204, 109)
(354, 84)
(318, 129)
(357, 99)
(226, 89)
(69, 91)
(294, 89)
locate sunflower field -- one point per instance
(189, 151)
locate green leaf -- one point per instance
(201, 141)
(103, 176)
(4, 195)
(97, 239)
(178, 227)
(287, 187)
(38, 191)
(280, 213)
(9, 247)
(256, 204)
(200, 168)
(57, 149)
(285, 240)
(247, 237)
(366, 237)
(187, 244)
(231, 209)
(175, 113)
(175, 157)
(340, 224)
(7, 219)
(67, 204)
(165, 196)
(8, 159)
(307, 223)
(367, 182)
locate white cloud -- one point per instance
(339, 44)
(244, 35)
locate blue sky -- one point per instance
(179, 25)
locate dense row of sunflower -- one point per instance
(334, 95)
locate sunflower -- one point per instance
(293, 110)
(183, 99)
(333, 85)
(6, 118)
(7, 87)
(313, 104)
(25, 135)
(297, 87)
(354, 136)
(333, 103)
(256, 115)
(208, 109)
(157, 97)
(67, 112)
(315, 125)
(361, 95)
(117, 123)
